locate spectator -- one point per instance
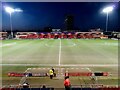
(25, 85)
(94, 78)
(67, 83)
(43, 86)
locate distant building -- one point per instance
(56, 30)
(48, 29)
(96, 30)
(69, 22)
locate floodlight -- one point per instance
(9, 10)
(108, 9)
(18, 10)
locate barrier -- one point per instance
(73, 88)
(86, 74)
(13, 74)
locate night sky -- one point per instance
(37, 15)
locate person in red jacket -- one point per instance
(67, 83)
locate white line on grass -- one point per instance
(87, 69)
(59, 52)
(72, 45)
(10, 44)
(75, 65)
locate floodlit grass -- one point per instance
(72, 51)
(45, 52)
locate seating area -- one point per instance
(82, 35)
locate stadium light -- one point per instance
(11, 10)
(18, 10)
(107, 10)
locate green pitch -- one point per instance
(72, 51)
(95, 54)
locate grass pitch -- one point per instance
(73, 51)
(95, 54)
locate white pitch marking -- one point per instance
(89, 69)
(59, 52)
(72, 45)
(73, 65)
(8, 44)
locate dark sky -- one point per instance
(37, 15)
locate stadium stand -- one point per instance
(82, 35)
(3, 35)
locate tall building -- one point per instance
(69, 22)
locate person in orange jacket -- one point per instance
(67, 83)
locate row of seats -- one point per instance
(59, 36)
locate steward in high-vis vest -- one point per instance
(51, 73)
(54, 74)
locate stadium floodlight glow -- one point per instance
(18, 10)
(108, 9)
(9, 10)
